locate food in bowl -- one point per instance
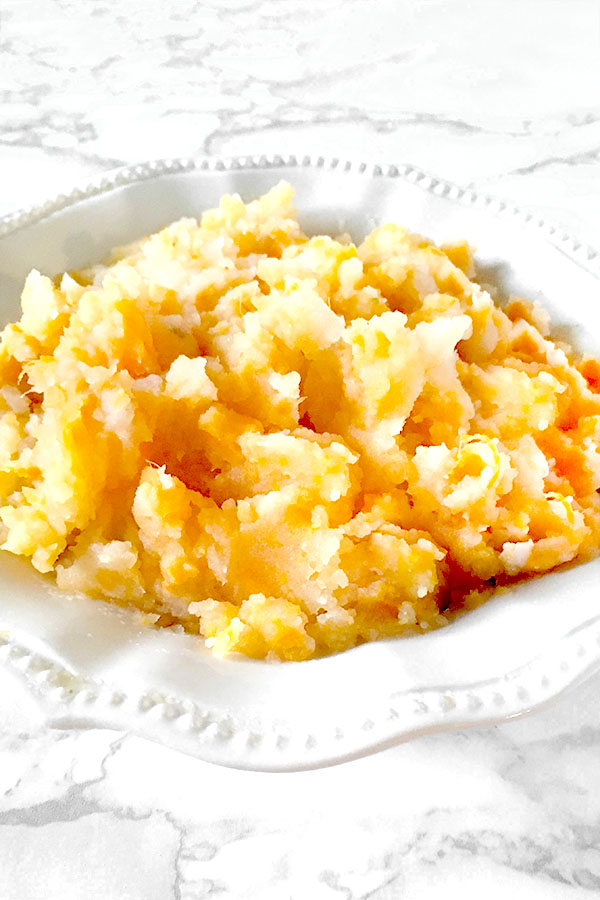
(292, 445)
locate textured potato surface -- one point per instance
(291, 445)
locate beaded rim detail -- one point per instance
(72, 700)
(578, 251)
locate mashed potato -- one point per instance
(287, 445)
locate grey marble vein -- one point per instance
(500, 98)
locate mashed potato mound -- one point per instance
(291, 445)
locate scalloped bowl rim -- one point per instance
(62, 696)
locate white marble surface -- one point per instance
(502, 95)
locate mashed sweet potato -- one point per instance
(291, 445)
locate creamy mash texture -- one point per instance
(291, 445)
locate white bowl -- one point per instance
(82, 663)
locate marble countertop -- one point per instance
(498, 95)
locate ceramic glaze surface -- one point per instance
(462, 91)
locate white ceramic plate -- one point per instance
(72, 662)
